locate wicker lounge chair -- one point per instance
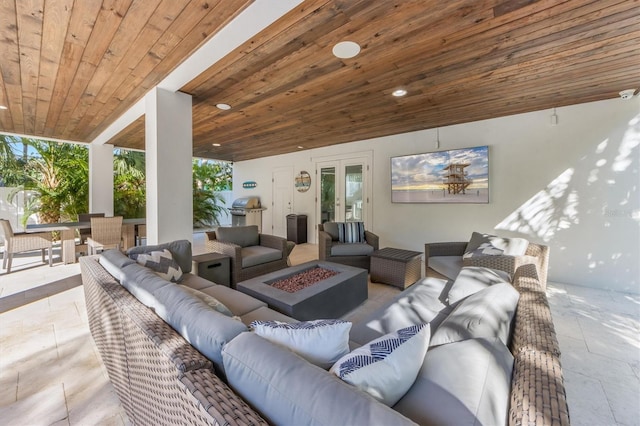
(22, 242)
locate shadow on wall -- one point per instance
(591, 213)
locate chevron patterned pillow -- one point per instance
(162, 263)
(386, 367)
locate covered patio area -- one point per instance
(51, 373)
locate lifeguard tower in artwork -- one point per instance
(456, 178)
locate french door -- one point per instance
(343, 190)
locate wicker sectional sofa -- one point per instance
(161, 378)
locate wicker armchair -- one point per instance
(326, 242)
(22, 242)
(86, 217)
(240, 248)
(536, 254)
(106, 233)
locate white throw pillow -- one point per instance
(321, 342)
(386, 367)
(473, 279)
(162, 263)
(488, 245)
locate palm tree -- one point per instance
(129, 196)
(209, 177)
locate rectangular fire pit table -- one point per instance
(327, 299)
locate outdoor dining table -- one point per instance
(68, 234)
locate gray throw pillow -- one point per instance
(180, 250)
(244, 236)
(487, 245)
(331, 228)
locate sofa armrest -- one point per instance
(444, 249)
(372, 239)
(324, 245)
(228, 249)
(274, 242)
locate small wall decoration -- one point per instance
(249, 184)
(303, 181)
(455, 176)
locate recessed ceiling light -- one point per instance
(215, 144)
(346, 49)
(223, 107)
(3, 107)
(399, 93)
(300, 147)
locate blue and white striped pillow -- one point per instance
(351, 232)
(386, 367)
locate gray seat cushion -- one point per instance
(196, 282)
(180, 250)
(487, 313)
(464, 383)
(257, 255)
(238, 303)
(449, 266)
(351, 249)
(420, 303)
(287, 390)
(265, 314)
(244, 236)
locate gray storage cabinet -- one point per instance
(215, 267)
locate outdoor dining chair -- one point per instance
(86, 217)
(106, 233)
(23, 242)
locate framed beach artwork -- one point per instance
(454, 176)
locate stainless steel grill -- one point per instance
(246, 211)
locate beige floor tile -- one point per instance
(588, 404)
(45, 407)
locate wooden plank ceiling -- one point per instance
(69, 71)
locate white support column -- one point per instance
(101, 179)
(169, 153)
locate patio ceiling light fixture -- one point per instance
(346, 49)
(223, 107)
(398, 93)
(215, 144)
(3, 107)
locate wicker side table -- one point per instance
(396, 267)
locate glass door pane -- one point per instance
(353, 192)
(327, 194)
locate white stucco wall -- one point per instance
(573, 186)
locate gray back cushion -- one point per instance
(331, 228)
(113, 261)
(287, 390)
(487, 313)
(180, 250)
(464, 383)
(244, 236)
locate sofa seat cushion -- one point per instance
(180, 250)
(196, 282)
(257, 255)
(473, 279)
(421, 303)
(238, 303)
(463, 383)
(244, 236)
(386, 367)
(211, 301)
(487, 313)
(288, 390)
(351, 249)
(449, 266)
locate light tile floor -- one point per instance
(51, 373)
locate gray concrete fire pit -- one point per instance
(326, 299)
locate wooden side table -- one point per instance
(215, 267)
(397, 267)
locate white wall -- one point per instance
(573, 186)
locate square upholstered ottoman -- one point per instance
(397, 267)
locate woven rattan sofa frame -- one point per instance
(158, 376)
(234, 251)
(536, 254)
